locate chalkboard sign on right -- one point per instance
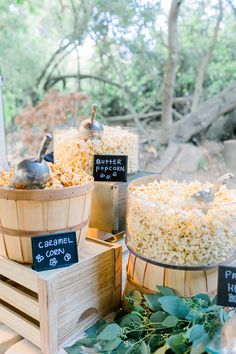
(226, 292)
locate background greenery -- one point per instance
(122, 41)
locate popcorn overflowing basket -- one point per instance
(63, 205)
(71, 147)
(178, 233)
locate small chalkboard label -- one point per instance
(226, 292)
(54, 251)
(110, 168)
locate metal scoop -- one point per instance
(33, 173)
(91, 128)
(207, 195)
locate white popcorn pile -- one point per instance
(166, 224)
(71, 149)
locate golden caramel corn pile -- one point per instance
(5, 177)
(60, 177)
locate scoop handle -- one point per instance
(93, 112)
(44, 146)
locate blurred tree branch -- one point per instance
(140, 116)
(169, 83)
(55, 79)
(61, 49)
(204, 63)
(55, 66)
(204, 116)
(232, 6)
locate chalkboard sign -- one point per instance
(54, 251)
(226, 293)
(110, 168)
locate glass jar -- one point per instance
(166, 225)
(228, 336)
(71, 149)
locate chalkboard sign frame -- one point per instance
(61, 260)
(113, 163)
(226, 290)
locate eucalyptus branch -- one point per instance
(184, 322)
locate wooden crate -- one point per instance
(52, 308)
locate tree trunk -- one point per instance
(222, 128)
(169, 83)
(206, 114)
(194, 123)
(203, 66)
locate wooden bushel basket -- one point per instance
(144, 276)
(27, 213)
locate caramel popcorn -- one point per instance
(71, 150)
(60, 177)
(166, 224)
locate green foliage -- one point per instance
(182, 326)
(127, 44)
(175, 306)
(110, 332)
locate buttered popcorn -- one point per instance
(60, 177)
(166, 224)
(71, 150)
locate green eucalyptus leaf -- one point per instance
(202, 299)
(120, 314)
(136, 313)
(214, 300)
(195, 332)
(110, 332)
(157, 318)
(214, 346)
(170, 321)
(91, 332)
(75, 349)
(193, 315)
(165, 290)
(223, 315)
(101, 325)
(144, 348)
(174, 306)
(213, 308)
(138, 308)
(111, 345)
(199, 345)
(137, 296)
(131, 320)
(87, 341)
(124, 347)
(177, 343)
(155, 342)
(153, 301)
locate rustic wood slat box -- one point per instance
(52, 308)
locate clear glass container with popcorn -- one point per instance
(168, 222)
(71, 149)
